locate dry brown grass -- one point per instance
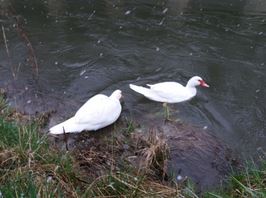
(153, 152)
(108, 166)
(122, 184)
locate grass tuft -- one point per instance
(248, 183)
(153, 151)
(126, 185)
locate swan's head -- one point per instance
(197, 81)
(117, 94)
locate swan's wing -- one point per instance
(169, 90)
(90, 111)
(90, 103)
(172, 92)
(165, 86)
(97, 110)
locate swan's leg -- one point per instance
(166, 111)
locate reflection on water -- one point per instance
(87, 47)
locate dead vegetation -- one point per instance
(121, 184)
(153, 152)
(129, 163)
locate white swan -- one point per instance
(170, 92)
(98, 112)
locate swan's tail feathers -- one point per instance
(67, 126)
(142, 90)
(58, 129)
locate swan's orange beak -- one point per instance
(203, 83)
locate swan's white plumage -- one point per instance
(170, 92)
(98, 112)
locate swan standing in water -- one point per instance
(170, 92)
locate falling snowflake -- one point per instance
(82, 72)
(165, 10)
(128, 12)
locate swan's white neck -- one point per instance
(192, 90)
(116, 95)
(190, 84)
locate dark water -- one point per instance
(86, 47)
